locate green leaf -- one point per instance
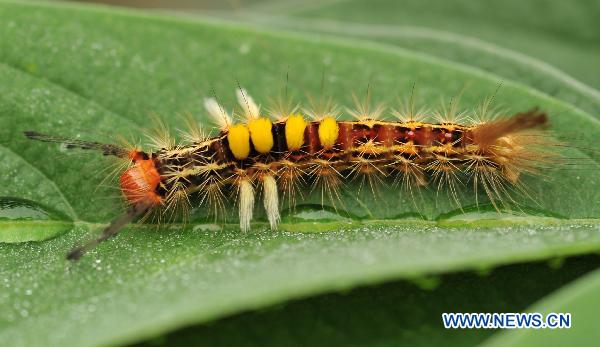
(563, 35)
(102, 77)
(96, 72)
(399, 313)
(580, 299)
(21, 220)
(144, 282)
(539, 50)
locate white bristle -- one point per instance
(246, 196)
(251, 110)
(217, 113)
(271, 200)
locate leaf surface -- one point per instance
(96, 73)
(579, 299)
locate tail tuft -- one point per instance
(486, 134)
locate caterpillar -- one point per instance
(295, 149)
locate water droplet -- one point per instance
(245, 48)
(206, 227)
(471, 214)
(556, 263)
(24, 220)
(318, 213)
(23, 209)
(426, 282)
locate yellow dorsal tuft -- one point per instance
(328, 132)
(261, 135)
(239, 141)
(294, 131)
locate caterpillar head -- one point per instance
(140, 182)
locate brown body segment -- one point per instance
(312, 144)
(280, 146)
(384, 139)
(345, 136)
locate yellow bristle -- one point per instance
(261, 135)
(239, 141)
(328, 179)
(294, 132)
(328, 132)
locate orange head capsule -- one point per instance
(139, 182)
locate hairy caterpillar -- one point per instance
(266, 157)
